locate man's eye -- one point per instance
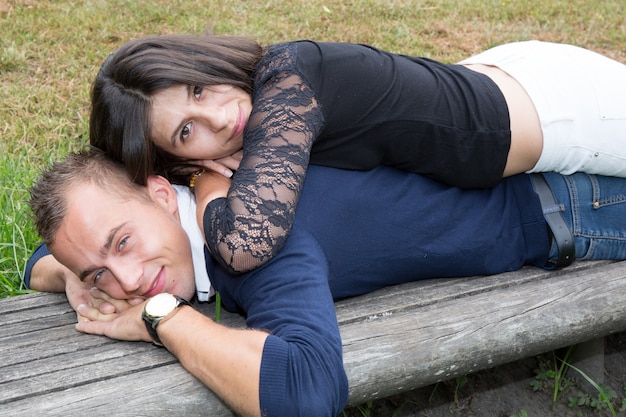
(122, 244)
(197, 91)
(98, 275)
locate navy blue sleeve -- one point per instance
(302, 370)
(40, 252)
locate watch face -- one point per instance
(161, 305)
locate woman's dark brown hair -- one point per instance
(121, 95)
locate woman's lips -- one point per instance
(240, 124)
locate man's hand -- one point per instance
(124, 323)
(50, 275)
(78, 293)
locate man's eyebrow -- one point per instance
(103, 251)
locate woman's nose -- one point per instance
(217, 118)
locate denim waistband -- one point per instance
(594, 208)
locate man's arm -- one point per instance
(226, 360)
(47, 274)
(296, 369)
(289, 361)
(302, 370)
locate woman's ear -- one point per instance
(162, 193)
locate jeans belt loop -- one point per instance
(560, 231)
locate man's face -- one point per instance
(127, 247)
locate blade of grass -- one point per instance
(603, 395)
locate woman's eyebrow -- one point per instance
(174, 137)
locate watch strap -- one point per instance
(152, 322)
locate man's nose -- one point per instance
(128, 274)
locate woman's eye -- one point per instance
(197, 91)
(184, 132)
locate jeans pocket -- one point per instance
(608, 191)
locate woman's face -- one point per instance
(200, 123)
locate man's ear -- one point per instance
(162, 193)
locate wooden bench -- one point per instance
(395, 340)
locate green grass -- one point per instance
(50, 51)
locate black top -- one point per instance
(351, 106)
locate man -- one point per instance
(354, 232)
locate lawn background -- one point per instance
(50, 52)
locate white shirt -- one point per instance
(187, 212)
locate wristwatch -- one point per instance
(156, 309)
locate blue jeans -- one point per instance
(594, 208)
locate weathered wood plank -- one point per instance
(77, 374)
(32, 301)
(159, 392)
(96, 365)
(396, 339)
(400, 351)
(421, 293)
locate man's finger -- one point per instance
(91, 327)
(136, 301)
(106, 307)
(107, 304)
(94, 313)
(125, 326)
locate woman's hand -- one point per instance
(225, 166)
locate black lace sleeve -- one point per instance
(246, 229)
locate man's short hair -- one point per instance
(48, 196)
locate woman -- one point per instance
(178, 100)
